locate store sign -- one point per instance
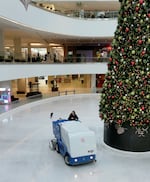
(5, 96)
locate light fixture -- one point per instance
(36, 44)
(54, 45)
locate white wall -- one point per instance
(14, 71)
(5, 84)
(50, 22)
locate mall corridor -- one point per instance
(25, 156)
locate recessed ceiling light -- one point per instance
(36, 44)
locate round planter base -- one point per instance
(127, 138)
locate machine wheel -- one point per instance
(66, 159)
(57, 148)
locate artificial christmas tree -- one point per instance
(125, 98)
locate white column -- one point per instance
(93, 83)
(49, 54)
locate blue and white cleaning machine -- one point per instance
(74, 141)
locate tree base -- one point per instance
(127, 138)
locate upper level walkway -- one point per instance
(40, 20)
(78, 12)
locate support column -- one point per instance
(29, 53)
(17, 51)
(65, 50)
(93, 83)
(50, 58)
(21, 85)
(2, 52)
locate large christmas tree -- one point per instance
(125, 94)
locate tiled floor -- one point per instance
(25, 132)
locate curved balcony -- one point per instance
(40, 20)
(15, 71)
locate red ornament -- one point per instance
(148, 15)
(142, 93)
(110, 59)
(140, 41)
(120, 83)
(139, 29)
(127, 29)
(142, 108)
(141, 1)
(132, 63)
(119, 121)
(110, 116)
(143, 53)
(109, 85)
(133, 124)
(112, 96)
(109, 77)
(116, 62)
(129, 109)
(137, 8)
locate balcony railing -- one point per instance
(79, 13)
(68, 59)
(23, 101)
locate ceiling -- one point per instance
(29, 35)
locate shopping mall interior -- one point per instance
(24, 43)
(54, 56)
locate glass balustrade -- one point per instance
(78, 13)
(38, 60)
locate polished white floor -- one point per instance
(25, 155)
